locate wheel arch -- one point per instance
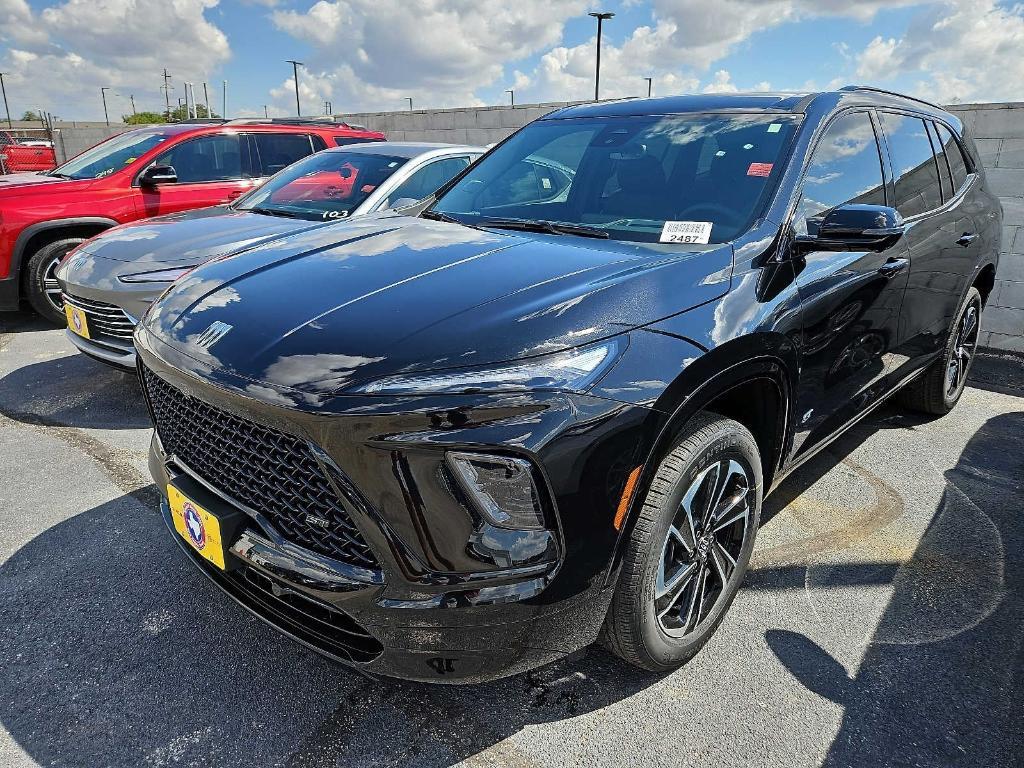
(34, 237)
(756, 391)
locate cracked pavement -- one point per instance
(881, 622)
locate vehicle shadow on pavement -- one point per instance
(117, 651)
(940, 682)
(73, 391)
(23, 321)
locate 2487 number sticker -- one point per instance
(688, 232)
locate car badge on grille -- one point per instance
(317, 521)
(214, 333)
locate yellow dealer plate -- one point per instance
(196, 526)
(77, 321)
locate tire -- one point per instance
(40, 283)
(635, 628)
(939, 388)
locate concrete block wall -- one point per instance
(998, 130)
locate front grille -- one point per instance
(105, 320)
(273, 473)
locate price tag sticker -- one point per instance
(689, 232)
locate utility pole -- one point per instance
(648, 79)
(224, 102)
(206, 98)
(266, 114)
(511, 97)
(166, 87)
(103, 93)
(295, 73)
(409, 98)
(7, 109)
(132, 97)
(601, 17)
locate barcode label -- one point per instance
(698, 232)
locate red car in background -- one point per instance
(16, 155)
(141, 173)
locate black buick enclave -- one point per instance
(544, 406)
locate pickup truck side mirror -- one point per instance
(854, 227)
(158, 174)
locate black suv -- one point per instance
(545, 406)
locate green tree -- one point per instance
(31, 114)
(145, 118)
(179, 113)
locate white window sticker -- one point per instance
(774, 127)
(686, 232)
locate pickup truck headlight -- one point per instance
(573, 370)
(157, 276)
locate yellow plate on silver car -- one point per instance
(77, 321)
(196, 526)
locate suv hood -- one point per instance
(16, 185)
(328, 308)
(190, 238)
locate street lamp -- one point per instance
(648, 79)
(511, 97)
(103, 93)
(295, 72)
(6, 108)
(409, 99)
(601, 18)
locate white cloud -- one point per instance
(963, 50)
(64, 54)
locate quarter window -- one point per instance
(913, 164)
(845, 168)
(208, 158)
(428, 179)
(954, 156)
(279, 150)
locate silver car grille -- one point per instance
(104, 319)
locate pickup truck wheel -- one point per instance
(41, 287)
(689, 549)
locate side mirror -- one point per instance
(158, 174)
(854, 227)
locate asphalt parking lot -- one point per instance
(881, 623)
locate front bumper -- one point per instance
(443, 607)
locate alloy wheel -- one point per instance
(964, 346)
(51, 288)
(703, 544)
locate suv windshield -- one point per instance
(112, 155)
(669, 178)
(329, 185)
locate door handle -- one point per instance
(967, 238)
(893, 267)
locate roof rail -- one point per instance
(875, 89)
(201, 121)
(319, 121)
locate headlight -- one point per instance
(501, 487)
(158, 276)
(573, 370)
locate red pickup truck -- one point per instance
(145, 172)
(16, 156)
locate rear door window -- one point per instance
(945, 179)
(428, 179)
(954, 156)
(913, 164)
(845, 168)
(279, 150)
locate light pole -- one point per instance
(266, 113)
(103, 93)
(648, 79)
(206, 98)
(295, 72)
(6, 108)
(601, 18)
(511, 97)
(224, 102)
(132, 97)
(409, 99)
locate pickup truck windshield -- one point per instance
(111, 155)
(687, 178)
(325, 186)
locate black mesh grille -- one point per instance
(274, 473)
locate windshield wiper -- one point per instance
(59, 175)
(273, 212)
(549, 227)
(439, 216)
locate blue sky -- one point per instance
(371, 54)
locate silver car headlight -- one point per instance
(573, 370)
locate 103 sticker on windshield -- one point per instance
(688, 232)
